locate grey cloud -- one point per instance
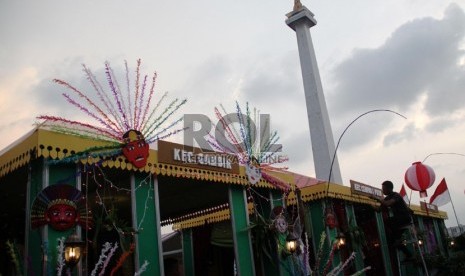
(421, 57)
(364, 127)
(210, 84)
(441, 124)
(49, 93)
(210, 74)
(268, 83)
(272, 80)
(297, 147)
(394, 137)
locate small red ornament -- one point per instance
(330, 219)
(420, 177)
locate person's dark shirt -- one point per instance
(400, 210)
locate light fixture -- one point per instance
(420, 242)
(73, 250)
(340, 240)
(291, 242)
(451, 243)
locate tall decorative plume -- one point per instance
(252, 143)
(127, 117)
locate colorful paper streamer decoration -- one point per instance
(252, 143)
(126, 117)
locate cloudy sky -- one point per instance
(404, 55)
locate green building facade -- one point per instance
(226, 225)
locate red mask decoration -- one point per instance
(60, 206)
(330, 219)
(136, 150)
(61, 216)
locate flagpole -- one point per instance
(453, 208)
(410, 198)
(426, 207)
(455, 214)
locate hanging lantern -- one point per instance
(73, 250)
(420, 177)
(340, 241)
(420, 242)
(291, 242)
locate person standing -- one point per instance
(400, 218)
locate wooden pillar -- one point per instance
(384, 244)
(188, 252)
(146, 220)
(241, 234)
(357, 248)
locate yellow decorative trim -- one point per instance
(17, 155)
(62, 201)
(214, 217)
(336, 191)
(49, 144)
(312, 193)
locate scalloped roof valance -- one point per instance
(309, 193)
(49, 144)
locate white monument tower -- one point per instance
(301, 20)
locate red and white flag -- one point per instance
(403, 194)
(441, 196)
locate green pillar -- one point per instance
(384, 245)
(304, 214)
(188, 252)
(33, 239)
(146, 221)
(317, 214)
(357, 248)
(409, 268)
(269, 262)
(241, 233)
(41, 243)
(421, 227)
(331, 237)
(285, 266)
(444, 234)
(439, 238)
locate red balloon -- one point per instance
(420, 177)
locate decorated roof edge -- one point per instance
(41, 142)
(336, 191)
(310, 193)
(49, 144)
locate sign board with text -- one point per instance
(364, 189)
(181, 155)
(428, 207)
